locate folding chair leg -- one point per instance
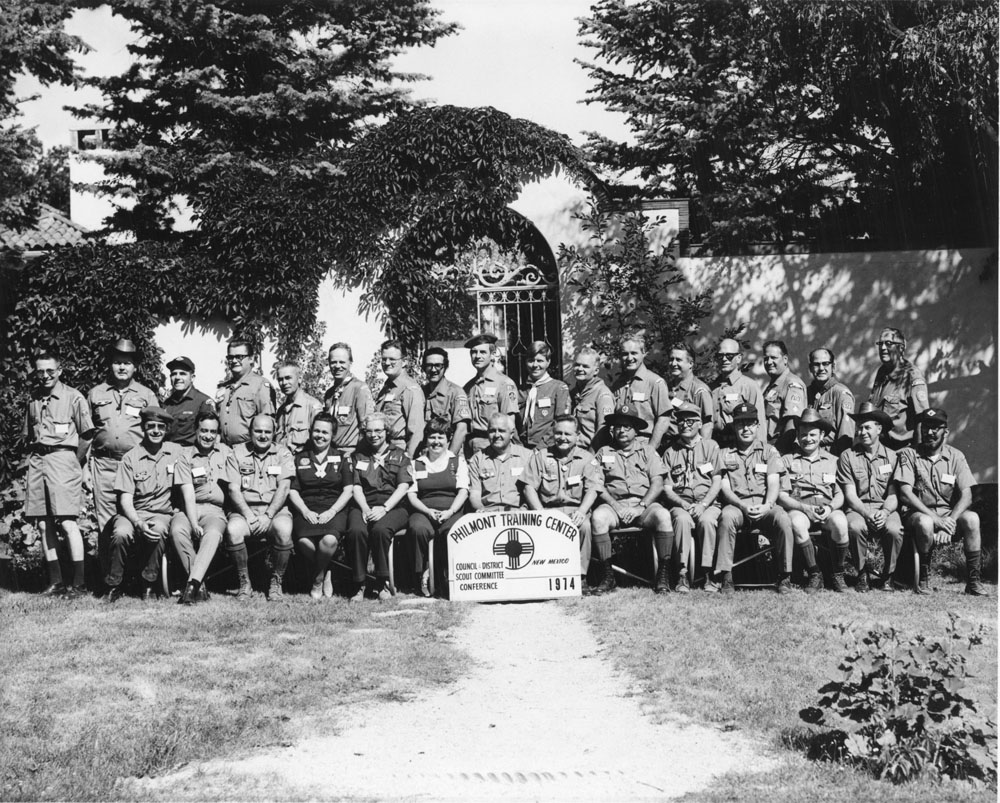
(392, 562)
(430, 566)
(164, 574)
(916, 569)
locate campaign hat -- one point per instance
(811, 418)
(124, 346)
(184, 363)
(625, 414)
(870, 412)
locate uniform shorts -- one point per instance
(54, 484)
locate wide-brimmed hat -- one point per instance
(625, 414)
(125, 347)
(811, 418)
(869, 412)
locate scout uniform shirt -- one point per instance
(402, 402)
(58, 419)
(747, 471)
(784, 397)
(647, 393)
(238, 401)
(563, 481)
(208, 473)
(692, 467)
(293, 419)
(868, 474)
(379, 475)
(834, 402)
(490, 393)
(497, 476)
(938, 481)
(185, 407)
(628, 475)
(258, 475)
(543, 401)
(812, 480)
(903, 397)
(149, 477)
(591, 403)
(693, 391)
(350, 402)
(448, 401)
(729, 391)
(116, 417)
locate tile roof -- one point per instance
(52, 229)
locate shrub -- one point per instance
(898, 710)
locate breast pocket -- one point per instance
(247, 408)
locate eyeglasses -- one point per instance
(687, 421)
(47, 371)
(434, 366)
(887, 343)
(726, 355)
(746, 424)
(155, 427)
(237, 357)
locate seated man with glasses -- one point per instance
(243, 395)
(731, 388)
(832, 399)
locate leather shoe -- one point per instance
(113, 594)
(54, 590)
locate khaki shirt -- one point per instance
(259, 475)
(591, 403)
(293, 419)
(565, 480)
(448, 401)
(729, 391)
(903, 398)
(868, 475)
(350, 402)
(834, 402)
(647, 393)
(693, 391)
(748, 470)
(939, 482)
(629, 475)
(116, 417)
(551, 399)
(490, 393)
(238, 401)
(206, 473)
(185, 408)
(149, 477)
(497, 476)
(784, 397)
(810, 479)
(59, 418)
(402, 402)
(691, 468)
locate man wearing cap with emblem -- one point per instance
(731, 388)
(543, 398)
(260, 475)
(832, 399)
(348, 399)
(590, 399)
(685, 388)
(400, 400)
(784, 397)
(691, 488)
(751, 482)
(243, 395)
(115, 406)
(489, 392)
(644, 392)
(633, 482)
(565, 477)
(864, 472)
(185, 401)
(444, 399)
(144, 485)
(813, 499)
(935, 487)
(56, 422)
(494, 472)
(294, 415)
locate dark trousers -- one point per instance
(125, 550)
(375, 537)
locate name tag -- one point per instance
(389, 397)
(829, 479)
(170, 468)
(132, 411)
(420, 475)
(639, 396)
(705, 468)
(948, 479)
(334, 460)
(760, 468)
(608, 459)
(274, 471)
(343, 409)
(576, 479)
(489, 393)
(198, 471)
(516, 471)
(731, 397)
(361, 465)
(884, 469)
(545, 402)
(62, 429)
(676, 402)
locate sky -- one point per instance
(514, 55)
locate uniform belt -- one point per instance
(108, 453)
(43, 448)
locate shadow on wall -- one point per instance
(944, 301)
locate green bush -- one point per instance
(898, 710)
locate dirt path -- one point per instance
(539, 716)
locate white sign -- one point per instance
(513, 555)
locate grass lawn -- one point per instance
(92, 693)
(751, 661)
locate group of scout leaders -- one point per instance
(694, 465)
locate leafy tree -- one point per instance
(826, 121)
(52, 178)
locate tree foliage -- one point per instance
(826, 121)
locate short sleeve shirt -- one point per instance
(293, 418)
(488, 394)
(691, 469)
(903, 398)
(496, 477)
(629, 475)
(350, 402)
(320, 482)
(448, 401)
(647, 393)
(868, 475)
(259, 474)
(937, 483)
(551, 398)
(402, 402)
(207, 473)
(810, 479)
(692, 391)
(784, 397)
(563, 480)
(591, 403)
(238, 401)
(748, 470)
(185, 407)
(58, 418)
(834, 402)
(116, 416)
(149, 477)
(380, 474)
(731, 390)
